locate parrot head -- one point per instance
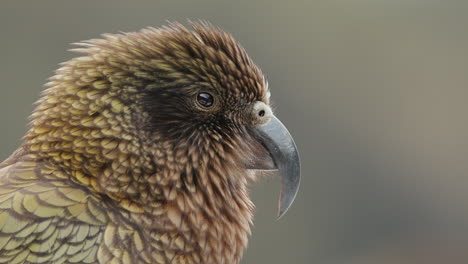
(167, 118)
(189, 100)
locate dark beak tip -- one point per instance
(288, 195)
(283, 206)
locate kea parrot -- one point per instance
(141, 150)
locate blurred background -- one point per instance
(374, 93)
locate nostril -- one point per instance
(260, 113)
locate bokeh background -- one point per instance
(374, 93)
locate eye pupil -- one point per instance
(205, 99)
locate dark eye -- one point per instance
(205, 99)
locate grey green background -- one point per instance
(374, 93)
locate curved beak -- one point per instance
(282, 149)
